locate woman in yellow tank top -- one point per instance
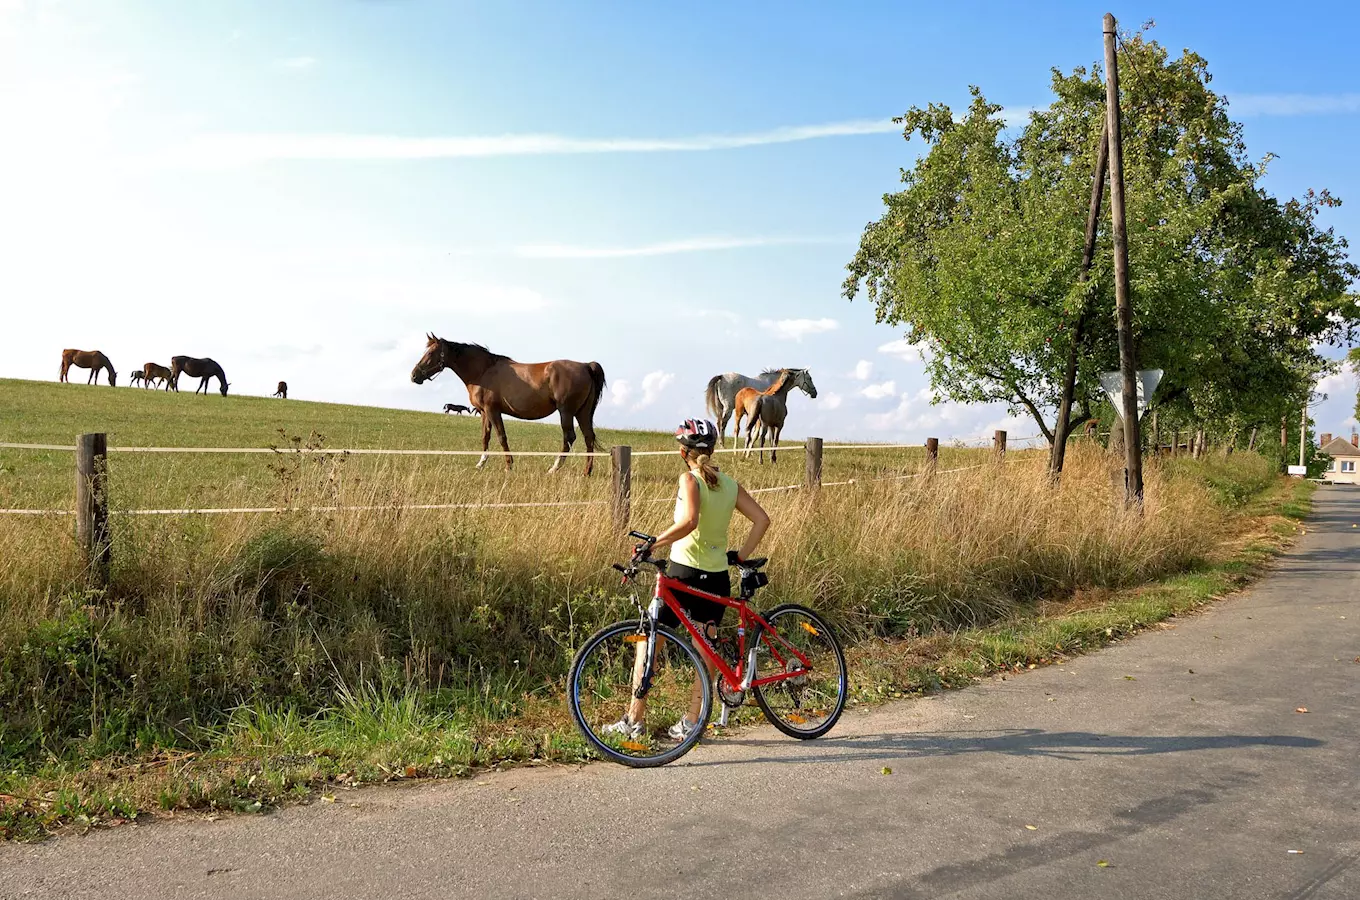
(698, 541)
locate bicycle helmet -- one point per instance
(697, 433)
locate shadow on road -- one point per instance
(1014, 742)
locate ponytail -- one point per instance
(701, 462)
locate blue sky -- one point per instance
(300, 190)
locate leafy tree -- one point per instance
(977, 256)
(1354, 359)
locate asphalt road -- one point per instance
(1177, 758)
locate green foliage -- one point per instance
(977, 256)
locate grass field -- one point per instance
(249, 658)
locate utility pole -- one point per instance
(1055, 461)
(1133, 450)
(1303, 430)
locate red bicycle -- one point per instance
(789, 659)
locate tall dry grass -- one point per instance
(207, 615)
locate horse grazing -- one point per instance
(153, 371)
(134, 378)
(205, 369)
(87, 359)
(721, 395)
(456, 408)
(769, 408)
(282, 390)
(498, 386)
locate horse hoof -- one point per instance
(481, 462)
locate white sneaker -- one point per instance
(681, 729)
(624, 728)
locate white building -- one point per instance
(1345, 465)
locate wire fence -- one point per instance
(999, 441)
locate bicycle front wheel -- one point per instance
(807, 704)
(600, 692)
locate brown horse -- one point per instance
(152, 371)
(497, 385)
(135, 378)
(203, 368)
(282, 390)
(87, 359)
(769, 408)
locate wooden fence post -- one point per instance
(932, 455)
(621, 472)
(999, 444)
(92, 505)
(1251, 444)
(1176, 442)
(812, 477)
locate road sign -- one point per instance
(1147, 381)
(1298, 470)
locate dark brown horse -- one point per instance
(87, 359)
(152, 371)
(204, 368)
(497, 385)
(282, 390)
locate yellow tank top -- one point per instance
(705, 548)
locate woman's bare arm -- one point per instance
(760, 520)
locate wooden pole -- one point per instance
(1059, 452)
(1156, 437)
(92, 505)
(999, 444)
(812, 476)
(1303, 430)
(932, 455)
(621, 472)
(1128, 366)
(1251, 444)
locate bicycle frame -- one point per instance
(743, 676)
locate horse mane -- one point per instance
(463, 347)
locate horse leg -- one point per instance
(93, 373)
(568, 438)
(724, 414)
(499, 422)
(587, 422)
(486, 438)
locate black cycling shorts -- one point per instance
(701, 609)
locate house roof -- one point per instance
(1340, 447)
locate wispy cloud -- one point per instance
(241, 149)
(1293, 104)
(666, 248)
(622, 393)
(797, 329)
(906, 350)
(864, 369)
(879, 391)
(298, 62)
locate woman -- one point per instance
(698, 559)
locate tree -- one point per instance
(977, 256)
(1354, 359)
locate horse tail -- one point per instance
(711, 397)
(598, 382)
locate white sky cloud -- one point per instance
(239, 149)
(905, 350)
(830, 400)
(879, 391)
(1293, 104)
(797, 329)
(653, 383)
(864, 369)
(666, 248)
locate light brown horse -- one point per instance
(204, 368)
(152, 371)
(87, 359)
(282, 390)
(497, 386)
(769, 408)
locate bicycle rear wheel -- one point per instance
(600, 690)
(807, 705)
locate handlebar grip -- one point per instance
(642, 537)
(623, 569)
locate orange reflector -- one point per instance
(809, 629)
(796, 719)
(634, 746)
(635, 639)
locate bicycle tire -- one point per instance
(582, 718)
(842, 691)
